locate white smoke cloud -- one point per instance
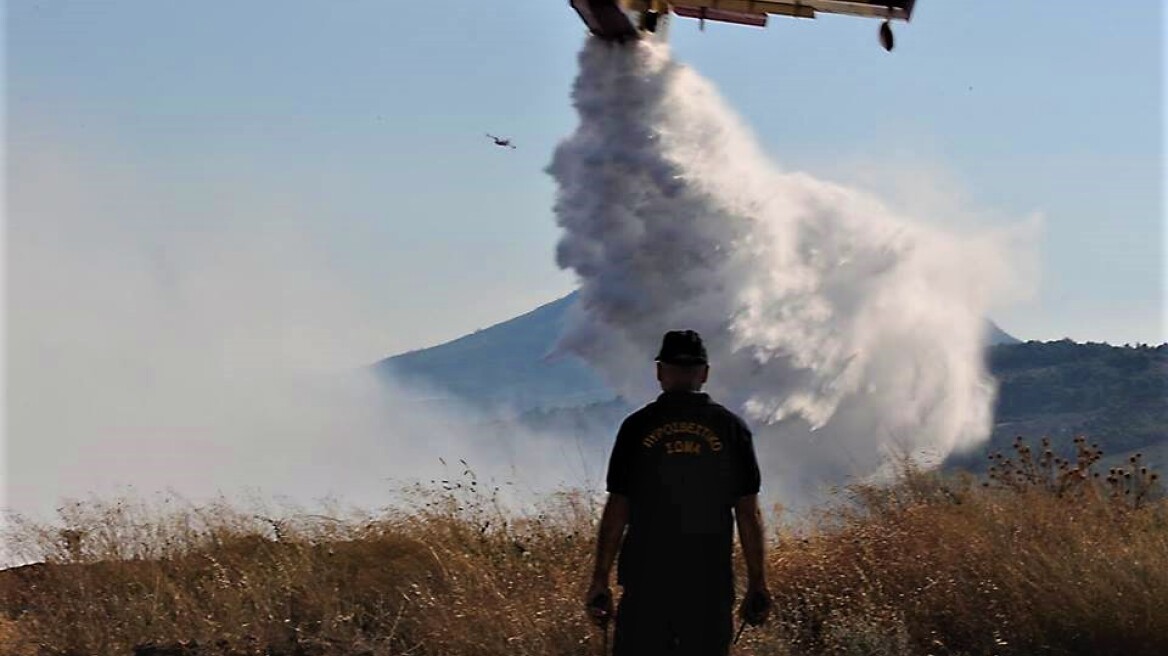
(193, 337)
(839, 328)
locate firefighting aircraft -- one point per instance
(501, 142)
(627, 20)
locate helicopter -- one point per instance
(628, 20)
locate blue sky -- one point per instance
(367, 117)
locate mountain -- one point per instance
(995, 336)
(507, 364)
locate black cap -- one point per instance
(682, 347)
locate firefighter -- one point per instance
(682, 472)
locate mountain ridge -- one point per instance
(508, 364)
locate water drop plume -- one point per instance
(841, 330)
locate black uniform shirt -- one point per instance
(682, 461)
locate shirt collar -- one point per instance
(684, 397)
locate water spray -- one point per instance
(843, 331)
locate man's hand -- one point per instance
(756, 607)
(599, 603)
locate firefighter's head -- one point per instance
(682, 362)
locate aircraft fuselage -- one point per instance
(607, 20)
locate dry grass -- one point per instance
(929, 565)
(450, 572)
(1041, 558)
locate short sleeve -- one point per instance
(748, 478)
(620, 464)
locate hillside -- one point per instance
(1116, 396)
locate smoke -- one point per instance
(194, 338)
(842, 331)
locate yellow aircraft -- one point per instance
(626, 20)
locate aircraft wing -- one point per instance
(621, 20)
(735, 11)
(901, 9)
(721, 15)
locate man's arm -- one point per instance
(750, 533)
(608, 539)
(619, 482)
